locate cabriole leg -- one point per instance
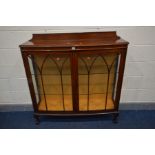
(37, 119)
(115, 117)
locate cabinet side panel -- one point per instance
(30, 81)
(120, 76)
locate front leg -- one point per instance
(37, 119)
(115, 117)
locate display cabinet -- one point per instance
(75, 74)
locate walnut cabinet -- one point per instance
(75, 73)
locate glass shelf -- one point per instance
(53, 94)
(70, 74)
(51, 74)
(71, 94)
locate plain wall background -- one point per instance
(139, 78)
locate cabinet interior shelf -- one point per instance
(71, 94)
(54, 104)
(70, 74)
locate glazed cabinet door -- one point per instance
(97, 80)
(51, 78)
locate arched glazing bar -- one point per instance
(88, 68)
(42, 81)
(60, 69)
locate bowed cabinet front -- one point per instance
(76, 79)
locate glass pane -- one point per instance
(97, 81)
(52, 82)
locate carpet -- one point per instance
(128, 119)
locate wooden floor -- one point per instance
(54, 103)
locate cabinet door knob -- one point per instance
(57, 58)
(73, 48)
(88, 58)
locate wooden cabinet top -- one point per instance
(85, 39)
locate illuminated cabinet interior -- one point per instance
(75, 73)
